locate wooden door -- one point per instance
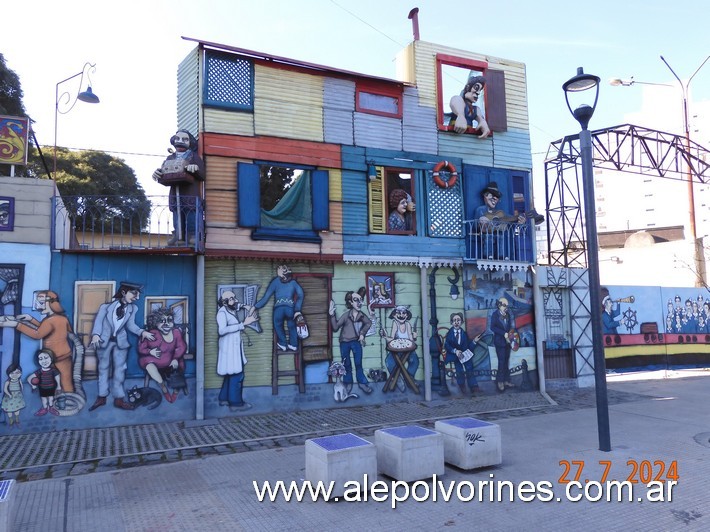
(316, 288)
(88, 297)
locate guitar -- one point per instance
(500, 217)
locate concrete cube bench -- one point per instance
(5, 501)
(470, 443)
(340, 459)
(409, 453)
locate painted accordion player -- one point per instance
(173, 172)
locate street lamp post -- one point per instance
(68, 101)
(583, 114)
(686, 128)
(691, 193)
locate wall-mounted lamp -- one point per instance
(454, 290)
(371, 171)
(68, 101)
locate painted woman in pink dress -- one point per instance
(165, 351)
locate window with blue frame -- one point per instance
(229, 81)
(286, 203)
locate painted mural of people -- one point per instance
(464, 107)
(288, 300)
(401, 207)
(230, 357)
(166, 350)
(401, 318)
(611, 316)
(54, 331)
(456, 342)
(183, 192)
(488, 216)
(503, 327)
(13, 399)
(353, 326)
(46, 379)
(109, 336)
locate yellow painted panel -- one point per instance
(288, 104)
(335, 184)
(229, 122)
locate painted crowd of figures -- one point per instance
(691, 316)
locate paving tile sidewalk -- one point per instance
(68, 453)
(658, 421)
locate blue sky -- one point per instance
(137, 47)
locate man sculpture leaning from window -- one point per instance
(464, 107)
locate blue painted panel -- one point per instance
(378, 131)
(409, 245)
(353, 158)
(339, 94)
(354, 186)
(338, 126)
(160, 275)
(419, 131)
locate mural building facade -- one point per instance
(354, 240)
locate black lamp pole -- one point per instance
(579, 83)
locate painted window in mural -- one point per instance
(7, 214)
(471, 96)
(283, 202)
(392, 202)
(229, 81)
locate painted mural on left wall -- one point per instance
(95, 352)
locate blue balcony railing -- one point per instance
(500, 242)
(119, 223)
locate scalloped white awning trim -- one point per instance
(503, 265)
(426, 262)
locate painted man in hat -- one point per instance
(110, 339)
(464, 107)
(489, 220)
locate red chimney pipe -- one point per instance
(415, 22)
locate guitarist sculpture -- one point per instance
(493, 224)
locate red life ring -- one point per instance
(445, 165)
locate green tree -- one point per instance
(100, 192)
(10, 91)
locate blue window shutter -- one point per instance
(248, 193)
(319, 194)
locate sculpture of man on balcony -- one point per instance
(183, 171)
(493, 224)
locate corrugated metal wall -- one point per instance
(188, 95)
(338, 109)
(378, 131)
(418, 124)
(288, 104)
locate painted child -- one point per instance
(12, 400)
(46, 378)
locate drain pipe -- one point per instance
(539, 313)
(200, 339)
(425, 320)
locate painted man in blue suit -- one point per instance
(109, 337)
(455, 343)
(288, 300)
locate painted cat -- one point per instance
(147, 397)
